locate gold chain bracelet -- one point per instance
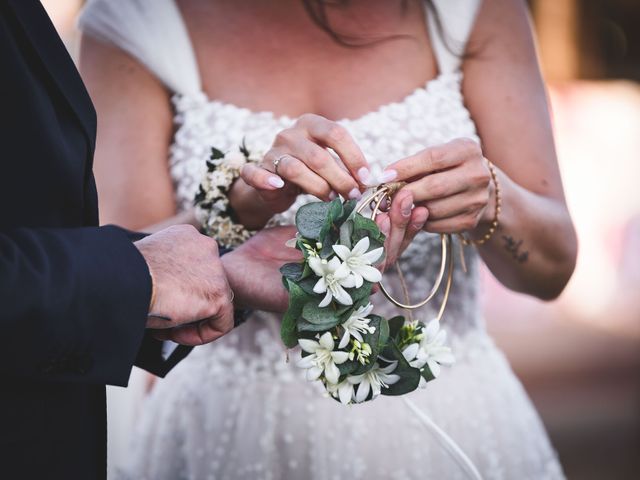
(495, 222)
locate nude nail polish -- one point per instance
(355, 194)
(275, 182)
(406, 207)
(388, 176)
(364, 174)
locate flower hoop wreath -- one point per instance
(356, 354)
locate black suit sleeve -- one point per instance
(73, 304)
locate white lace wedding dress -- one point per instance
(235, 409)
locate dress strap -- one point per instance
(449, 36)
(153, 32)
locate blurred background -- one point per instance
(579, 356)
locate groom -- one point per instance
(81, 304)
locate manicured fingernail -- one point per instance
(406, 207)
(332, 195)
(388, 175)
(419, 225)
(385, 226)
(364, 174)
(355, 194)
(275, 182)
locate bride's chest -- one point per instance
(428, 116)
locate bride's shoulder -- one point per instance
(152, 32)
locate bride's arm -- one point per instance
(534, 248)
(134, 133)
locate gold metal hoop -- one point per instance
(386, 192)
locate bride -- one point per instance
(394, 86)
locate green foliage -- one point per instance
(373, 339)
(292, 271)
(216, 154)
(327, 317)
(320, 226)
(409, 376)
(311, 219)
(297, 300)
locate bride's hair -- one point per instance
(318, 13)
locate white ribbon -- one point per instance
(446, 441)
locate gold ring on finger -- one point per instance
(276, 162)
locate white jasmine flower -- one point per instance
(334, 278)
(431, 350)
(356, 325)
(343, 391)
(374, 380)
(322, 359)
(256, 156)
(376, 176)
(235, 159)
(359, 261)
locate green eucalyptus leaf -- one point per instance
(348, 367)
(384, 334)
(395, 325)
(305, 326)
(362, 292)
(288, 329)
(307, 285)
(326, 317)
(346, 230)
(311, 219)
(348, 208)
(365, 227)
(409, 376)
(426, 373)
(293, 271)
(297, 299)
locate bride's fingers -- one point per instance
(459, 204)
(457, 224)
(400, 216)
(320, 161)
(434, 159)
(336, 137)
(419, 217)
(293, 170)
(438, 185)
(261, 178)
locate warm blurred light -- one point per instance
(598, 138)
(556, 29)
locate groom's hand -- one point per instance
(191, 288)
(253, 269)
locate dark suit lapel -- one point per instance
(54, 56)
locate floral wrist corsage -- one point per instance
(212, 200)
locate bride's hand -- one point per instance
(400, 225)
(452, 181)
(302, 163)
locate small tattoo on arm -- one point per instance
(513, 247)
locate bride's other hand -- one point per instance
(298, 161)
(400, 225)
(452, 181)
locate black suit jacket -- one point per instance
(73, 296)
